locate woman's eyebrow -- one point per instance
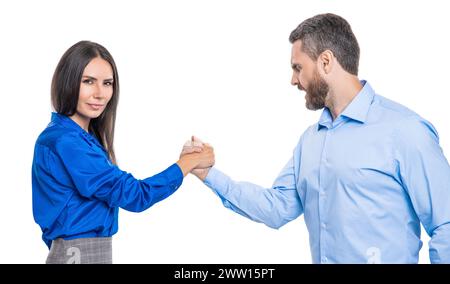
(90, 77)
(95, 79)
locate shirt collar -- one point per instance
(358, 108)
(67, 122)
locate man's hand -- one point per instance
(191, 147)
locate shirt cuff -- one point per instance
(174, 175)
(217, 181)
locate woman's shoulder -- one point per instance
(55, 136)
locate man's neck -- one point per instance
(342, 93)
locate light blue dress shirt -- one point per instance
(364, 181)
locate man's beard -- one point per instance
(316, 93)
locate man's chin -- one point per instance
(309, 105)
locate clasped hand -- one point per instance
(202, 153)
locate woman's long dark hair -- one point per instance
(65, 90)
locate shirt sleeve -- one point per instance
(425, 175)
(273, 206)
(95, 177)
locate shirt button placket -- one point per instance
(322, 198)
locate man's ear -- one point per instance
(326, 60)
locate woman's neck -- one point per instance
(81, 120)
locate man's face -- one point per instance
(306, 77)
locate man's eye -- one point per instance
(296, 68)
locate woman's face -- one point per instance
(96, 89)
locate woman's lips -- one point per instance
(96, 106)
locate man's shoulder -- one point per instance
(401, 116)
(392, 110)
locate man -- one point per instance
(365, 176)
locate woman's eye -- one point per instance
(108, 83)
(88, 81)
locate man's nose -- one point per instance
(294, 80)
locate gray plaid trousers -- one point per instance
(81, 251)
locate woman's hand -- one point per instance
(196, 157)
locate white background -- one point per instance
(216, 69)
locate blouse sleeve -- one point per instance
(94, 176)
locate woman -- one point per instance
(77, 186)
